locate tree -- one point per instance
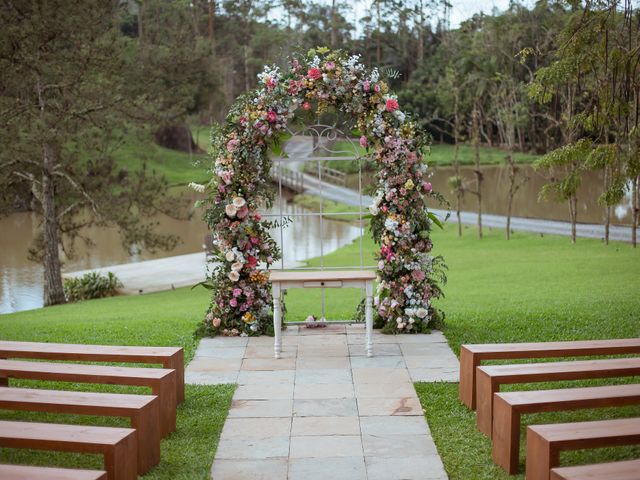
(68, 84)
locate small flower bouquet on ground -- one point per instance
(311, 322)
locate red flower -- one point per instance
(392, 105)
(272, 116)
(252, 261)
(306, 105)
(314, 73)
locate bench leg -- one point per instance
(176, 362)
(541, 458)
(485, 389)
(166, 392)
(147, 425)
(467, 388)
(506, 435)
(121, 460)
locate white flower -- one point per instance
(197, 187)
(409, 312)
(233, 276)
(411, 320)
(422, 312)
(239, 202)
(373, 208)
(237, 266)
(399, 115)
(230, 256)
(230, 210)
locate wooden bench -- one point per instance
(545, 442)
(472, 355)
(142, 410)
(161, 381)
(624, 470)
(23, 472)
(169, 357)
(509, 406)
(118, 445)
(489, 379)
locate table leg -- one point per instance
(368, 315)
(277, 319)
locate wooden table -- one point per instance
(281, 281)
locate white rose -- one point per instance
(422, 312)
(230, 256)
(197, 187)
(239, 202)
(373, 208)
(237, 266)
(399, 115)
(411, 320)
(230, 210)
(233, 276)
(409, 312)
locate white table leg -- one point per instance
(368, 315)
(277, 319)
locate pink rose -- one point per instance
(269, 259)
(376, 88)
(366, 85)
(363, 141)
(242, 212)
(216, 322)
(426, 186)
(329, 66)
(270, 83)
(314, 73)
(271, 116)
(232, 144)
(306, 105)
(233, 302)
(237, 292)
(391, 105)
(418, 275)
(258, 217)
(255, 240)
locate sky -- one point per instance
(461, 9)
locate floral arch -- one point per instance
(409, 276)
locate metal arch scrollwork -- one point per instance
(325, 138)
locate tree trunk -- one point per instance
(333, 24)
(635, 211)
(512, 185)
(421, 35)
(140, 21)
(476, 147)
(211, 15)
(573, 212)
(607, 208)
(247, 84)
(53, 290)
(378, 44)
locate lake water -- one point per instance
(21, 285)
(526, 204)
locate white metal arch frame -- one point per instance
(323, 139)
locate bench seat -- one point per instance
(509, 406)
(168, 357)
(472, 355)
(24, 472)
(545, 442)
(161, 381)
(118, 445)
(490, 378)
(624, 470)
(142, 410)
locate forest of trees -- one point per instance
(559, 78)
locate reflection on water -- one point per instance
(21, 280)
(526, 204)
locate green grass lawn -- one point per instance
(443, 153)
(167, 318)
(178, 167)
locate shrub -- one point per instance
(91, 285)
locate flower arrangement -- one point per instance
(409, 276)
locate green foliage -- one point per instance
(91, 285)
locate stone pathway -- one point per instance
(324, 410)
